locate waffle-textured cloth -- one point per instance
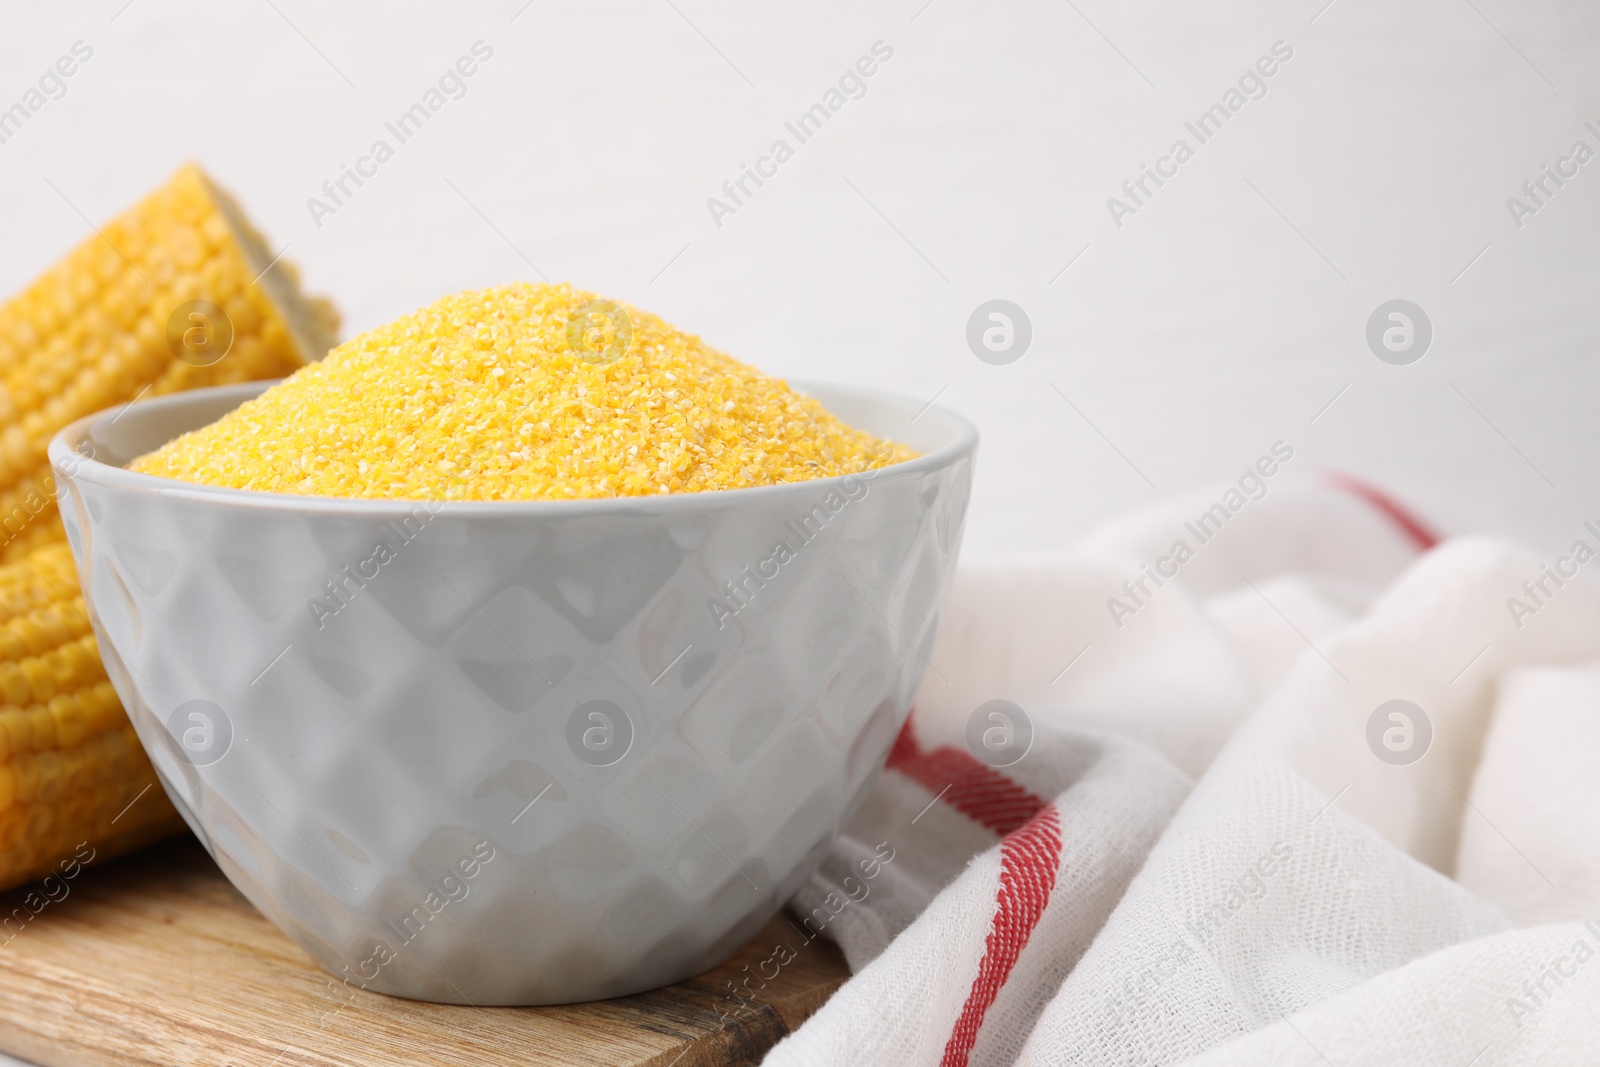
(1315, 789)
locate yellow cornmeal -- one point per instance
(526, 392)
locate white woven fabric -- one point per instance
(1327, 890)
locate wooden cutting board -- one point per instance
(157, 959)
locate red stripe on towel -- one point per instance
(1030, 854)
(967, 784)
(1420, 533)
(1028, 862)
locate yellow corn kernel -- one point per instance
(26, 769)
(71, 723)
(43, 727)
(41, 679)
(13, 686)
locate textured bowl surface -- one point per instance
(516, 753)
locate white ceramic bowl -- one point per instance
(516, 753)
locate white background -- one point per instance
(1225, 315)
(1188, 340)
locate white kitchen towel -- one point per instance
(1304, 785)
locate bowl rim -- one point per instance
(63, 454)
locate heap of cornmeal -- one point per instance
(526, 392)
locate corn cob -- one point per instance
(94, 332)
(71, 769)
(98, 329)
